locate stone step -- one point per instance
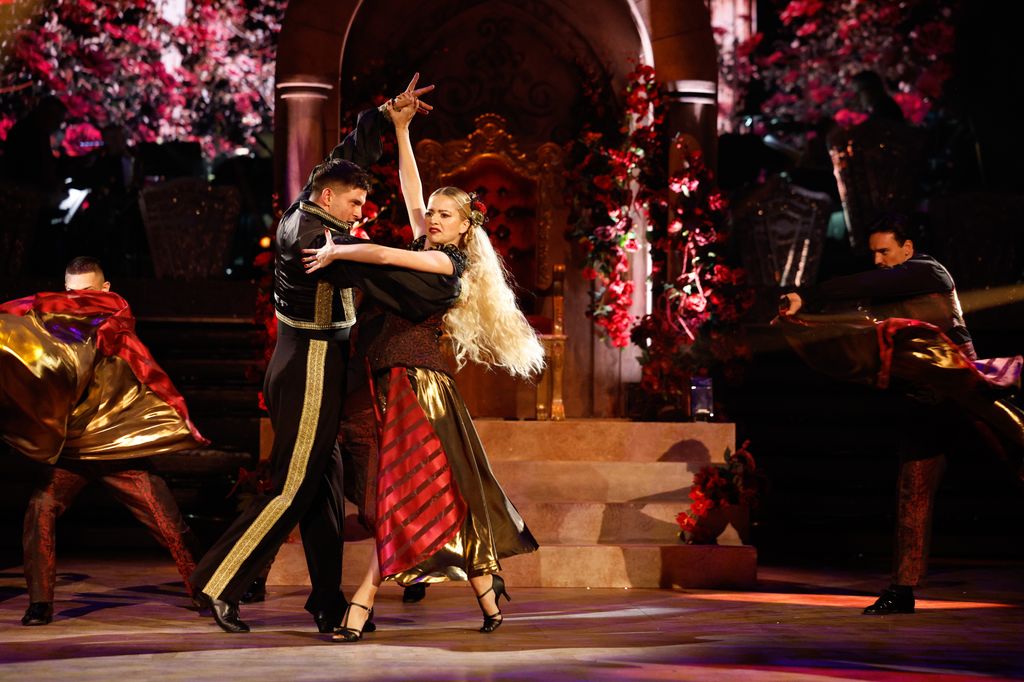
(606, 440)
(583, 565)
(578, 481)
(590, 523)
(602, 523)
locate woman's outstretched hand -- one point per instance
(411, 98)
(318, 259)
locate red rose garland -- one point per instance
(693, 325)
(601, 188)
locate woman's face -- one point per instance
(445, 225)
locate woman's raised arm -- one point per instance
(408, 173)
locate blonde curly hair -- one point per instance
(485, 324)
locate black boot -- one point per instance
(226, 615)
(38, 613)
(895, 599)
(414, 593)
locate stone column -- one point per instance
(300, 133)
(686, 59)
(693, 114)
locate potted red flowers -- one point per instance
(722, 494)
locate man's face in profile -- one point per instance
(86, 281)
(888, 252)
(344, 203)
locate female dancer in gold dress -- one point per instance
(440, 514)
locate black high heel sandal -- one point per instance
(343, 633)
(493, 621)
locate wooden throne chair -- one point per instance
(522, 193)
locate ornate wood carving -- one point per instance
(439, 162)
(782, 233)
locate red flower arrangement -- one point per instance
(736, 482)
(685, 215)
(807, 70)
(700, 305)
(605, 201)
(208, 79)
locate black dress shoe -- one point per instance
(257, 592)
(892, 601)
(226, 615)
(326, 621)
(414, 593)
(38, 613)
(493, 621)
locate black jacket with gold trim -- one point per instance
(322, 301)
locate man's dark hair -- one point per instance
(83, 265)
(896, 223)
(339, 173)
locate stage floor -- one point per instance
(125, 617)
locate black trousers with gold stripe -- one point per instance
(304, 391)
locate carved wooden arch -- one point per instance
(490, 139)
(312, 48)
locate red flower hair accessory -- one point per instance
(477, 210)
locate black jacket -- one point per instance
(322, 301)
(919, 289)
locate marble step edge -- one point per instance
(599, 523)
(599, 440)
(562, 481)
(602, 522)
(606, 440)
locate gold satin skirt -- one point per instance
(60, 398)
(493, 528)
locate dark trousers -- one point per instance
(358, 440)
(930, 432)
(131, 483)
(918, 481)
(304, 390)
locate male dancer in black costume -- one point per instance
(305, 388)
(910, 286)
